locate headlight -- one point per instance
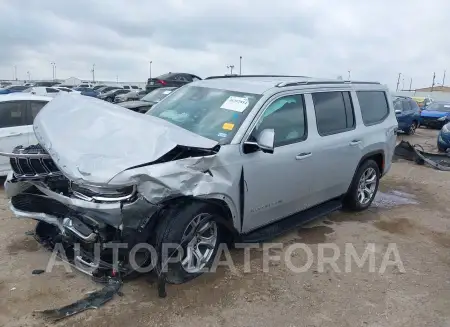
(90, 193)
(443, 118)
(445, 129)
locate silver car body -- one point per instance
(101, 146)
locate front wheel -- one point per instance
(195, 228)
(364, 187)
(412, 129)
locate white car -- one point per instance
(43, 90)
(131, 87)
(17, 113)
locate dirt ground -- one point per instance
(411, 211)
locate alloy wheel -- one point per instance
(367, 185)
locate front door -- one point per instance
(278, 184)
(13, 129)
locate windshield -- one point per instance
(157, 95)
(212, 113)
(444, 107)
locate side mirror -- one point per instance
(264, 141)
(398, 112)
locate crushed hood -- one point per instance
(135, 104)
(93, 140)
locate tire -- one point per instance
(441, 149)
(351, 199)
(176, 223)
(412, 129)
(109, 99)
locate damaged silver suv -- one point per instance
(225, 159)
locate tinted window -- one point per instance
(50, 90)
(406, 106)
(17, 88)
(166, 76)
(12, 113)
(134, 87)
(374, 106)
(195, 78)
(414, 105)
(439, 106)
(35, 107)
(287, 117)
(334, 112)
(398, 105)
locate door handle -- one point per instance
(355, 142)
(13, 134)
(303, 155)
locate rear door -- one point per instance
(13, 129)
(407, 113)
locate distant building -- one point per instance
(72, 81)
(435, 89)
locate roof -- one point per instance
(23, 97)
(259, 84)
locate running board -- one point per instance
(277, 228)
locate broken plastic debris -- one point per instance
(37, 271)
(93, 301)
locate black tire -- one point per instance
(441, 149)
(412, 129)
(351, 201)
(171, 230)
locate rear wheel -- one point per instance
(412, 128)
(364, 187)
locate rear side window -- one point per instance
(406, 106)
(374, 106)
(35, 107)
(334, 112)
(414, 105)
(50, 90)
(13, 113)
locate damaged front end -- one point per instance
(108, 186)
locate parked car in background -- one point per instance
(46, 83)
(17, 112)
(436, 114)
(422, 102)
(198, 168)
(66, 86)
(5, 84)
(28, 84)
(13, 89)
(98, 86)
(407, 113)
(130, 87)
(85, 85)
(107, 89)
(109, 96)
(44, 91)
(87, 91)
(149, 100)
(62, 88)
(131, 95)
(170, 80)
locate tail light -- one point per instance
(162, 82)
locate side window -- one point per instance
(334, 112)
(398, 105)
(287, 116)
(12, 113)
(406, 105)
(374, 106)
(35, 107)
(414, 105)
(51, 90)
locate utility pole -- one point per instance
(403, 84)
(29, 76)
(15, 72)
(117, 79)
(93, 73)
(53, 70)
(443, 79)
(432, 85)
(231, 67)
(151, 69)
(410, 84)
(240, 65)
(349, 75)
(398, 81)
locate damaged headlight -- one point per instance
(445, 129)
(90, 193)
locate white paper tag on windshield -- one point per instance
(167, 92)
(235, 103)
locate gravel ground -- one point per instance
(409, 211)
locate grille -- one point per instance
(29, 166)
(38, 203)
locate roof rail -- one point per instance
(237, 76)
(286, 84)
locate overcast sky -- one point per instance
(374, 39)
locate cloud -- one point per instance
(375, 40)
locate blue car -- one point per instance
(87, 91)
(436, 115)
(13, 89)
(407, 113)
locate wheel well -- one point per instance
(378, 158)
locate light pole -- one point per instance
(231, 67)
(29, 76)
(53, 70)
(240, 65)
(150, 69)
(15, 72)
(349, 74)
(93, 73)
